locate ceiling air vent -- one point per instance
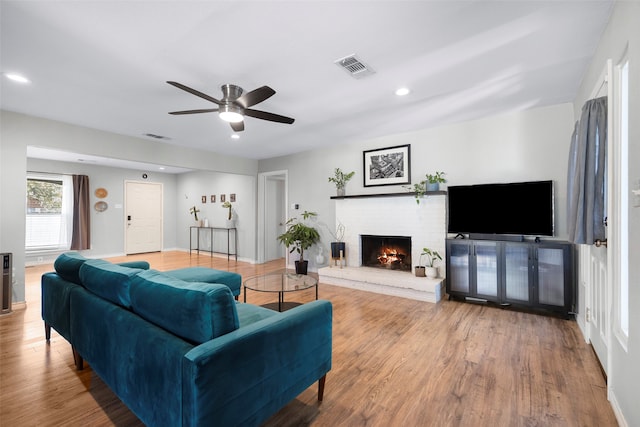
(355, 67)
(153, 135)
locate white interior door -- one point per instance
(272, 208)
(596, 275)
(274, 218)
(143, 217)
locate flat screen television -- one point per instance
(518, 208)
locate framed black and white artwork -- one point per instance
(387, 166)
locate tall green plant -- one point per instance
(299, 236)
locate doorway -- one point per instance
(272, 209)
(143, 217)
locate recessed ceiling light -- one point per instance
(235, 136)
(402, 91)
(18, 78)
(161, 168)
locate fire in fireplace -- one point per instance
(390, 252)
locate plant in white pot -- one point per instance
(340, 179)
(430, 269)
(195, 211)
(299, 237)
(231, 223)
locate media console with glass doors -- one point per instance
(537, 274)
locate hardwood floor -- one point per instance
(396, 362)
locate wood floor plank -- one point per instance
(395, 362)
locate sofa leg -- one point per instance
(77, 359)
(321, 387)
(47, 331)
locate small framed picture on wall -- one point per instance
(223, 198)
(213, 198)
(204, 199)
(232, 197)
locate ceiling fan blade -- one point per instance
(237, 126)
(195, 92)
(255, 96)
(268, 116)
(208, 110)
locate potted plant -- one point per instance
(434, 180)
(195, 211)
(230, 221)
(340, 179)
(338, 245)
(429, 270)
(300, 236)
(419, 189)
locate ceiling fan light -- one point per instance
(230, 113)
(231, 116)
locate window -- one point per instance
(49, 212)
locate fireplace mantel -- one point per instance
(406, 193)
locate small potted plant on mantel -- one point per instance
(434, 181)
(300, 236)
(340, 179)
(428, 270)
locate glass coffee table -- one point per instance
(280, 283)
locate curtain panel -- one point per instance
(587, 174)
(81, 238)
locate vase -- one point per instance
(231, 223)
(301, 267)
(433, 186)
(340, 192)
(320, 256)
(431, 272)
(336, 248)
(420, 271)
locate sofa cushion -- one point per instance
(197, 312)
(249, 313)
(108, 281)
(68, 264)
(209, 275)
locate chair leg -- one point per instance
(321, 387)
(47, 331)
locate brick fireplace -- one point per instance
(423, 224)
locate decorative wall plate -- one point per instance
(101, 206)
(101, 193)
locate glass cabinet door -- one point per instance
(458, 268)
(486, 268)
(551, 276)
(516, 283)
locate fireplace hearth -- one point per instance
(387, 252)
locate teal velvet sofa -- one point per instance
(181, 353)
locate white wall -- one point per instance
(190, 189)
(521, 146)
(107, 228)
(17, 131)
(623, 33)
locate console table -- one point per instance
(211, 229)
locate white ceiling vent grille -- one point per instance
(354, 66)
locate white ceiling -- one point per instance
(104, 64)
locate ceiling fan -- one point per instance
(235, 104)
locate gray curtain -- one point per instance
(81, 238)
(587, 174)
